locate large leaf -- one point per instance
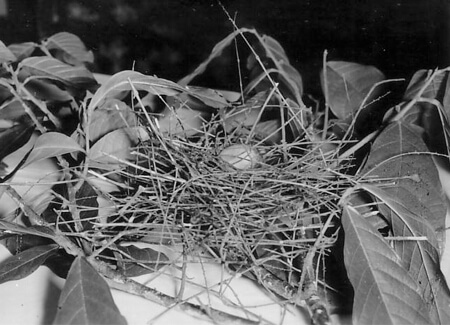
(384, 291)
(52, 144)
(348, 85)
(71, 45)
(23, 264)
(86, 298)
(420, 257)
(5, 54)
(400, 158)
(44, 66)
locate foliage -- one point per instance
(139, 160)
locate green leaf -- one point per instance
(51, 68)
(71, 45)
(52, 144)
(419, 257)
(384, 291)
(348, 84)
(400, 158)
(23, 264)
(6, 55)
(138, 261)
(22, 50)
(86, 298)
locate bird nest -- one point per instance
(267, 210)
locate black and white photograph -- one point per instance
(209, 162)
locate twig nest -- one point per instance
(241, 156)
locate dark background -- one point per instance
(168, 38)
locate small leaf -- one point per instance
(14, 228)
(48, 67)
(348, 85)
(87, 205)
(216, 52)
(86, 298)
(23, 264)
(22, 50)
(275, 49)
(112, 116)
(291, 78)
(111, 148)
(6, 55)
(206, 96)
(138, 261)
(245, 115)
(182, 121)
(384, 291)
(436, 88)
(52, 144)
(14, 138)
(71, 45)
(12, 110)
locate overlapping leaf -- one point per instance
(384, 291)
(86, 298)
